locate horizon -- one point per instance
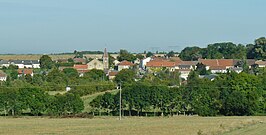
(49, 27)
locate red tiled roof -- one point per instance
(217, 62)
(25, 71)
(160, 64)
(112, 73)
(226, 62)
(125, 63)
(80, 66)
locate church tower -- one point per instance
(105, 60)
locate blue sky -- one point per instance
(52, 26)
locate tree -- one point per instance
(139, 56)
(33, 99)
(14, 74)
(190, 53)
(170, 54)
(149, 54)
(257, 51)
(201, 69)
(71, 72)
(95, 75)
(125, 55)
(125, 76)
(46, 62)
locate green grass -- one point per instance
(87, 99)
(181, 125)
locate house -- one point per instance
(261, 64)
(112, 74)
(26, 63)
(218, 65)
(95, 64)
(36, 64)
(249, 62)
(4, 63)
(124, 65)
(116, 62)
(22, 72)
(158, 64)
(3, 76)
(19, 63)
(184, 73)
(81, 69)
(144, 61)
(79, 60)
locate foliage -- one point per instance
(125, 55)
(95, 75)
(46, 62)
(125, 76)
(149, 54)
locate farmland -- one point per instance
(183, 125)
(53, 56)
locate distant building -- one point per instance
(112, 74)
(143, 62)
(105, 60)
(22, 72)
(3, 76)
(124, 65)
(4, 63)
(25, 63)
(95, 64)
(82, 69)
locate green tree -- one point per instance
(95, 75)
(125, 76)
(125, 55)
(139, 56)
(71, 72)
(191, 53)
(170, 54)
(33, 99)
(149, 54)
(46, 62)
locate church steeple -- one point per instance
(105, 60)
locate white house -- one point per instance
(36, 64)
(4, 63)
(143, 62)
(124, 65)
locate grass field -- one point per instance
(180, 125)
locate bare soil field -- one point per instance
(178, 125)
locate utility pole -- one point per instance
(120, 100)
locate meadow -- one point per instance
(180, 125)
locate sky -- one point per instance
(56, 26)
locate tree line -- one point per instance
(229, 95)
(227, 50)
(35, 101)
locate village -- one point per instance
(151, 64)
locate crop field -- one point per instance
(181, 125)
(38, 56)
